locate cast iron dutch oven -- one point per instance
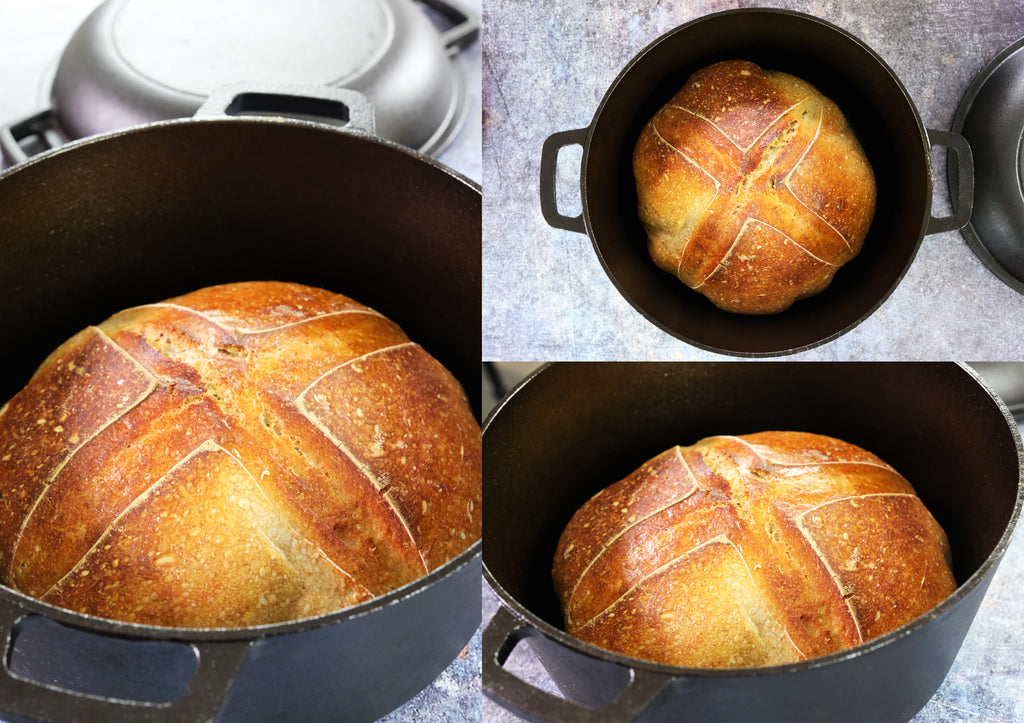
(162, 209)
(877, 106)
(572, 429)
(991, 118)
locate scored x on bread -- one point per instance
(752, 187)
(241, 455)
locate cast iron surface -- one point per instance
(844, 69)
(573, 429)
(991, 118)
(137, 61)
(181, 205)
(547, 295)
(357, 664)
(137, 216)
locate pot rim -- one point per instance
(355, 133)
(984, 571)
(1002, 135)
(107, 626)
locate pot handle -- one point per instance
(963, 205)
(217, 664)
(40, 128)
(341, 107)
(500, 637)
(466, 25)
(548, 177)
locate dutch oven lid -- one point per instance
(139, 61)
(991, 118)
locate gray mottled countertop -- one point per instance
(547, 68)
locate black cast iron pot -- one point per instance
(572, 429)
(878, 108)
(163, 209)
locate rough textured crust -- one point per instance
(745, 551)
(752, 188)
(241, 455)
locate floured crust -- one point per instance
(241, 455)
(745, 551)
(752, 188)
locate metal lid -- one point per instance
(138, 61)
(991, 118)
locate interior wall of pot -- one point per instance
(577, 428)
(881, 115)
(167, 209)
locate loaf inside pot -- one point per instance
(241, 455)
(755, 550)
(753, 189)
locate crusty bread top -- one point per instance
(240, 455)
(752, 187)
(746, 551)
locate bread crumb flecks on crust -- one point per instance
(746, 551)
(305, 422)
(752, 188)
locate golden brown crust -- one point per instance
(743, 551)
(752, 188)
(241, 455)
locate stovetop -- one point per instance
(36, 35)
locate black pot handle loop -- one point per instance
(500, 637)
(217, 665)
(340, 107)
(549, 176)
(963, 205)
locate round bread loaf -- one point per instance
(752, 188)
(242, 455)
(746, 551)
